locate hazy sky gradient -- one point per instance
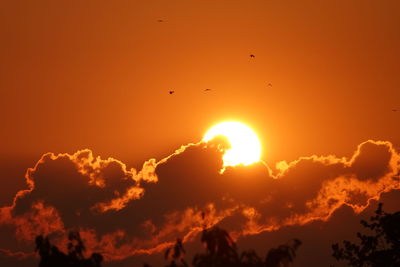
(96, 74)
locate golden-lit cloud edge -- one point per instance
(341, 181)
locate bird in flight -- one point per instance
(270, 84)
(160, 20)
(171, 92)
(207, 89)
(252, 56)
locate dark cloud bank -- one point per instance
(127, 214)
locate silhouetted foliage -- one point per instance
(175, 254)
(250, 258)
(382, 248)
(221, 251)
(51, 256)
(282, 255)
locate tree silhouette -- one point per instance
(382, 248)
(221, 251)
(51, 256)
(250, 258)
(282, 255)
(175, 254)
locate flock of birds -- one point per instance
(171, 92)
(208, 89)
(251, 56)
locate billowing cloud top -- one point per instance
(122, 212)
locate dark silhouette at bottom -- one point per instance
(382, 248)
(51, 256)
(221, 251)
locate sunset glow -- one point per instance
(199, 133)
(245, 147)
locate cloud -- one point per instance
(123, 212)
(15, 254)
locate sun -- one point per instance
(245, 147)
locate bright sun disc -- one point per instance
(245, 147)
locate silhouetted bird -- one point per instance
(160, 20)
(171, 92)
(270, 84)
(252, 56)
(207, 89)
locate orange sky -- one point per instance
(96, 74)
